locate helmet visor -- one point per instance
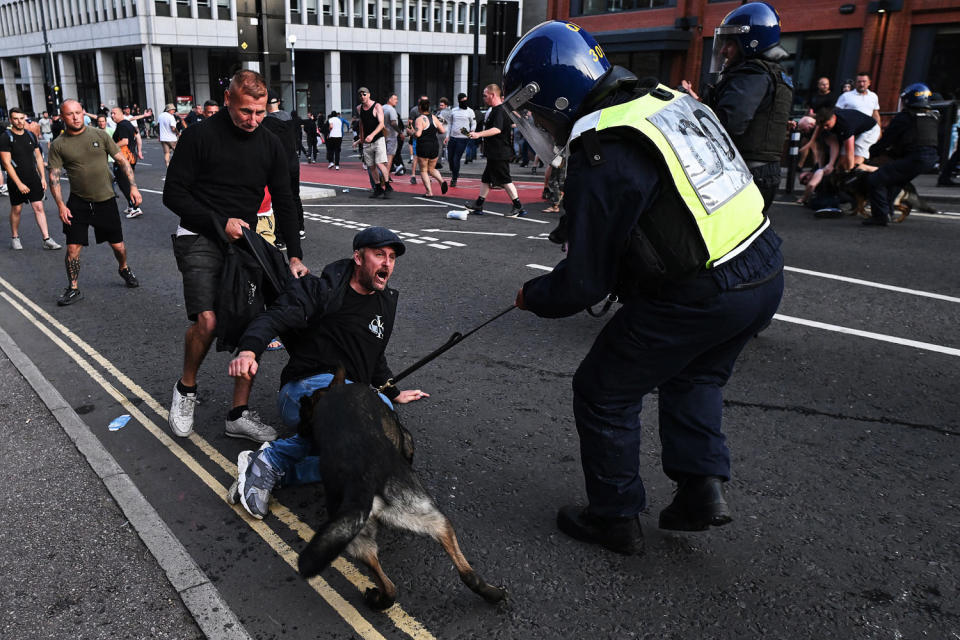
(721, 35)
(544, 142)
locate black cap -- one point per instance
(272, 97)
(378, 237)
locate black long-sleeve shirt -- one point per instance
(221, 168)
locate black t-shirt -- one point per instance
(498, 147)
(126, 131)
(352, 336)
(22, 153)
(192, 117)
(851, 122)
(818, 100)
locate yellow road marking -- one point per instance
(401, 619)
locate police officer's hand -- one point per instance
(244, 365)
(234, 228)
(518, 303)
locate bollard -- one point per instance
(792, 167)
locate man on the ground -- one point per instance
(343, 318)
(23, 164)
(215, 184)
(497, 149)
(82, 152)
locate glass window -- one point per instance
(594, 7)
(385, 14)
(371, 15)
(398, 14)
(162, 7)
(223, 9)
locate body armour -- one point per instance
(763, 139)
(927, 127)
(708, 209)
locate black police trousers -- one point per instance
(887, 181)
(684, 343)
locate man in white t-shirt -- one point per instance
(168, 132)
(861, 98)
(334, 140)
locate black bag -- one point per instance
(254, 273)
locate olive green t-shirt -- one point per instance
(84, 156)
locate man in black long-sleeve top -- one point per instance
(217, 179)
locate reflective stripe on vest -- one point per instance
(710, 175)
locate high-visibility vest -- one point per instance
(713, 183)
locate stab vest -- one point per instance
(708, 209)
(763, 139)
(927, 123)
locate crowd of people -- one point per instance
(615, 149)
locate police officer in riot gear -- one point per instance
(661, 212)
(911, 140)
(753, 95)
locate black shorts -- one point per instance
(200, 261)
(104, 217)
(35, 194)
(497, 172)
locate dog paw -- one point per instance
(493, 594)
(376, 600)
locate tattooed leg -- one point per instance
(72, 262)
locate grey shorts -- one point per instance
(391, 144)
(200, 261)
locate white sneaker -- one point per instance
(50, 243)
(4, 190)
(181, 412)
(330, 166)
(127, 211)
(15, 244)
(248, 426)
(133, 213)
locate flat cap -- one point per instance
(378, 237)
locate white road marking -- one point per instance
(392, 206)
(868, 283)
(950, 351)
(150, 190)
(473, 233)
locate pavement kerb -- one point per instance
(204, 602)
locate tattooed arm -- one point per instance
(135, 196)
(58, 195)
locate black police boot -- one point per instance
(620, 535)
(559, 233)
(698, 504)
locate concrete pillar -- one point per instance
(331, 73)
(106, 79)
(201, 75)
(8, 66)
(68, 76)
(461, 75)
(153, 78)
(32, 75)
(401, 83)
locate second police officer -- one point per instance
(662, 212)
(753, 95)
(911, 140)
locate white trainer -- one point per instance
(249, 426)
(181, 412)
(51, 244)
(15, 244)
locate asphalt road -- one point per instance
(843, 419)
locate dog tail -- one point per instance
(331, 540)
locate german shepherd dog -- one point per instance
(366, 460)
(854, 184)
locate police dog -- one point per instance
(854, 184)
(366, 463)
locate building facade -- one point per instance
(151, 52)
(897, 41)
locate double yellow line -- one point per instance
(401, 619)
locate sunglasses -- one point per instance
(364, 93)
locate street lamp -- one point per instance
(292, 38)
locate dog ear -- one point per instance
(307, 405)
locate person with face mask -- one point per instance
(462, 119)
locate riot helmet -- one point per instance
(551, 72)
(917, 95)
(754, 29)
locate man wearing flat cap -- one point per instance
(344, 317)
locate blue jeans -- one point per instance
(455, 149)
(295, 457)
(471, 150)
